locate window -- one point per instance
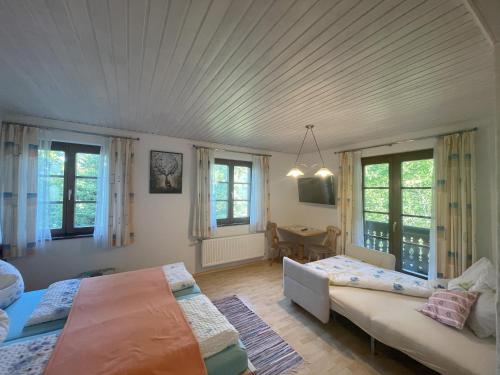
(232, 180)
(397, 207)
(73, 189)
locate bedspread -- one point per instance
(126, 323)
(346, 271)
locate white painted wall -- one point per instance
(162, 221)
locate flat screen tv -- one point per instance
(318, 190)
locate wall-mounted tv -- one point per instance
(318, 190)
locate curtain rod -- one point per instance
(237, 152)
(71, 130)
(408, 140)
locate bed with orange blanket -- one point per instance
(118, 324)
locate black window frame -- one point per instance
(68, 229)
(230, 220)
(395, 188)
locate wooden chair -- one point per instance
(329, 246)
(279, 248)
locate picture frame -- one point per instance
(165, 172)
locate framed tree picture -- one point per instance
(165, 172)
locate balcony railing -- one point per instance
(415, 245)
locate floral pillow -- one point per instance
(450, 307)
(55, 303)
(11, 284)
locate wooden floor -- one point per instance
(335, 348)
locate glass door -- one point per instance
(397, 207)
(416, 212)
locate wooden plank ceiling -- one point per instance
(249, 73)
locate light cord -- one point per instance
(317, 147)
(302, 145)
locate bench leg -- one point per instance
(372, 345)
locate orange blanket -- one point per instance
(128, 323)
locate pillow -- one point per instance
(485, 283)
(178, 276)
(449, 307)
(12, 284)
(472, 274)
(482, 318)
(55, 303)
(4, 325)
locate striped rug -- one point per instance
(267, 351)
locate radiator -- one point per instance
(231, 249)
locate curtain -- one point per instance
(18, 189)
(204, 217)
(43, 189)
(101, 226)
(260, 194)
(358, 237)
(121, 193)
(349, 200)
(455, 204)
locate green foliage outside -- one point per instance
(241, 180)
(87, 166)
(416, 178)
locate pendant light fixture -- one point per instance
(323, 171)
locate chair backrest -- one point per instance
(332, 233)
(272, 234)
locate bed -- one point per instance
(230, 360)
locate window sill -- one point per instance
(72, 237)
(231, 225)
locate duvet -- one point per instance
(346, 271)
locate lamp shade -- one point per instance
(295, 172)
(323, 172)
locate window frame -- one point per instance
(231, 220)
(395, 188)
(68, 229)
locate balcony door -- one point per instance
(397, 207)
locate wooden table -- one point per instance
(301, 232)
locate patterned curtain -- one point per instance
(204, 219)
(18, 189)
(260, 194)
(101, 223)
(345, 200)
(121, 193)
(455, 204)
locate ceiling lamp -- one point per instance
(323, 171)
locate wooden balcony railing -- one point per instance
(415, 245)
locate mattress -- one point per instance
(19, 313)
(394, 320)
